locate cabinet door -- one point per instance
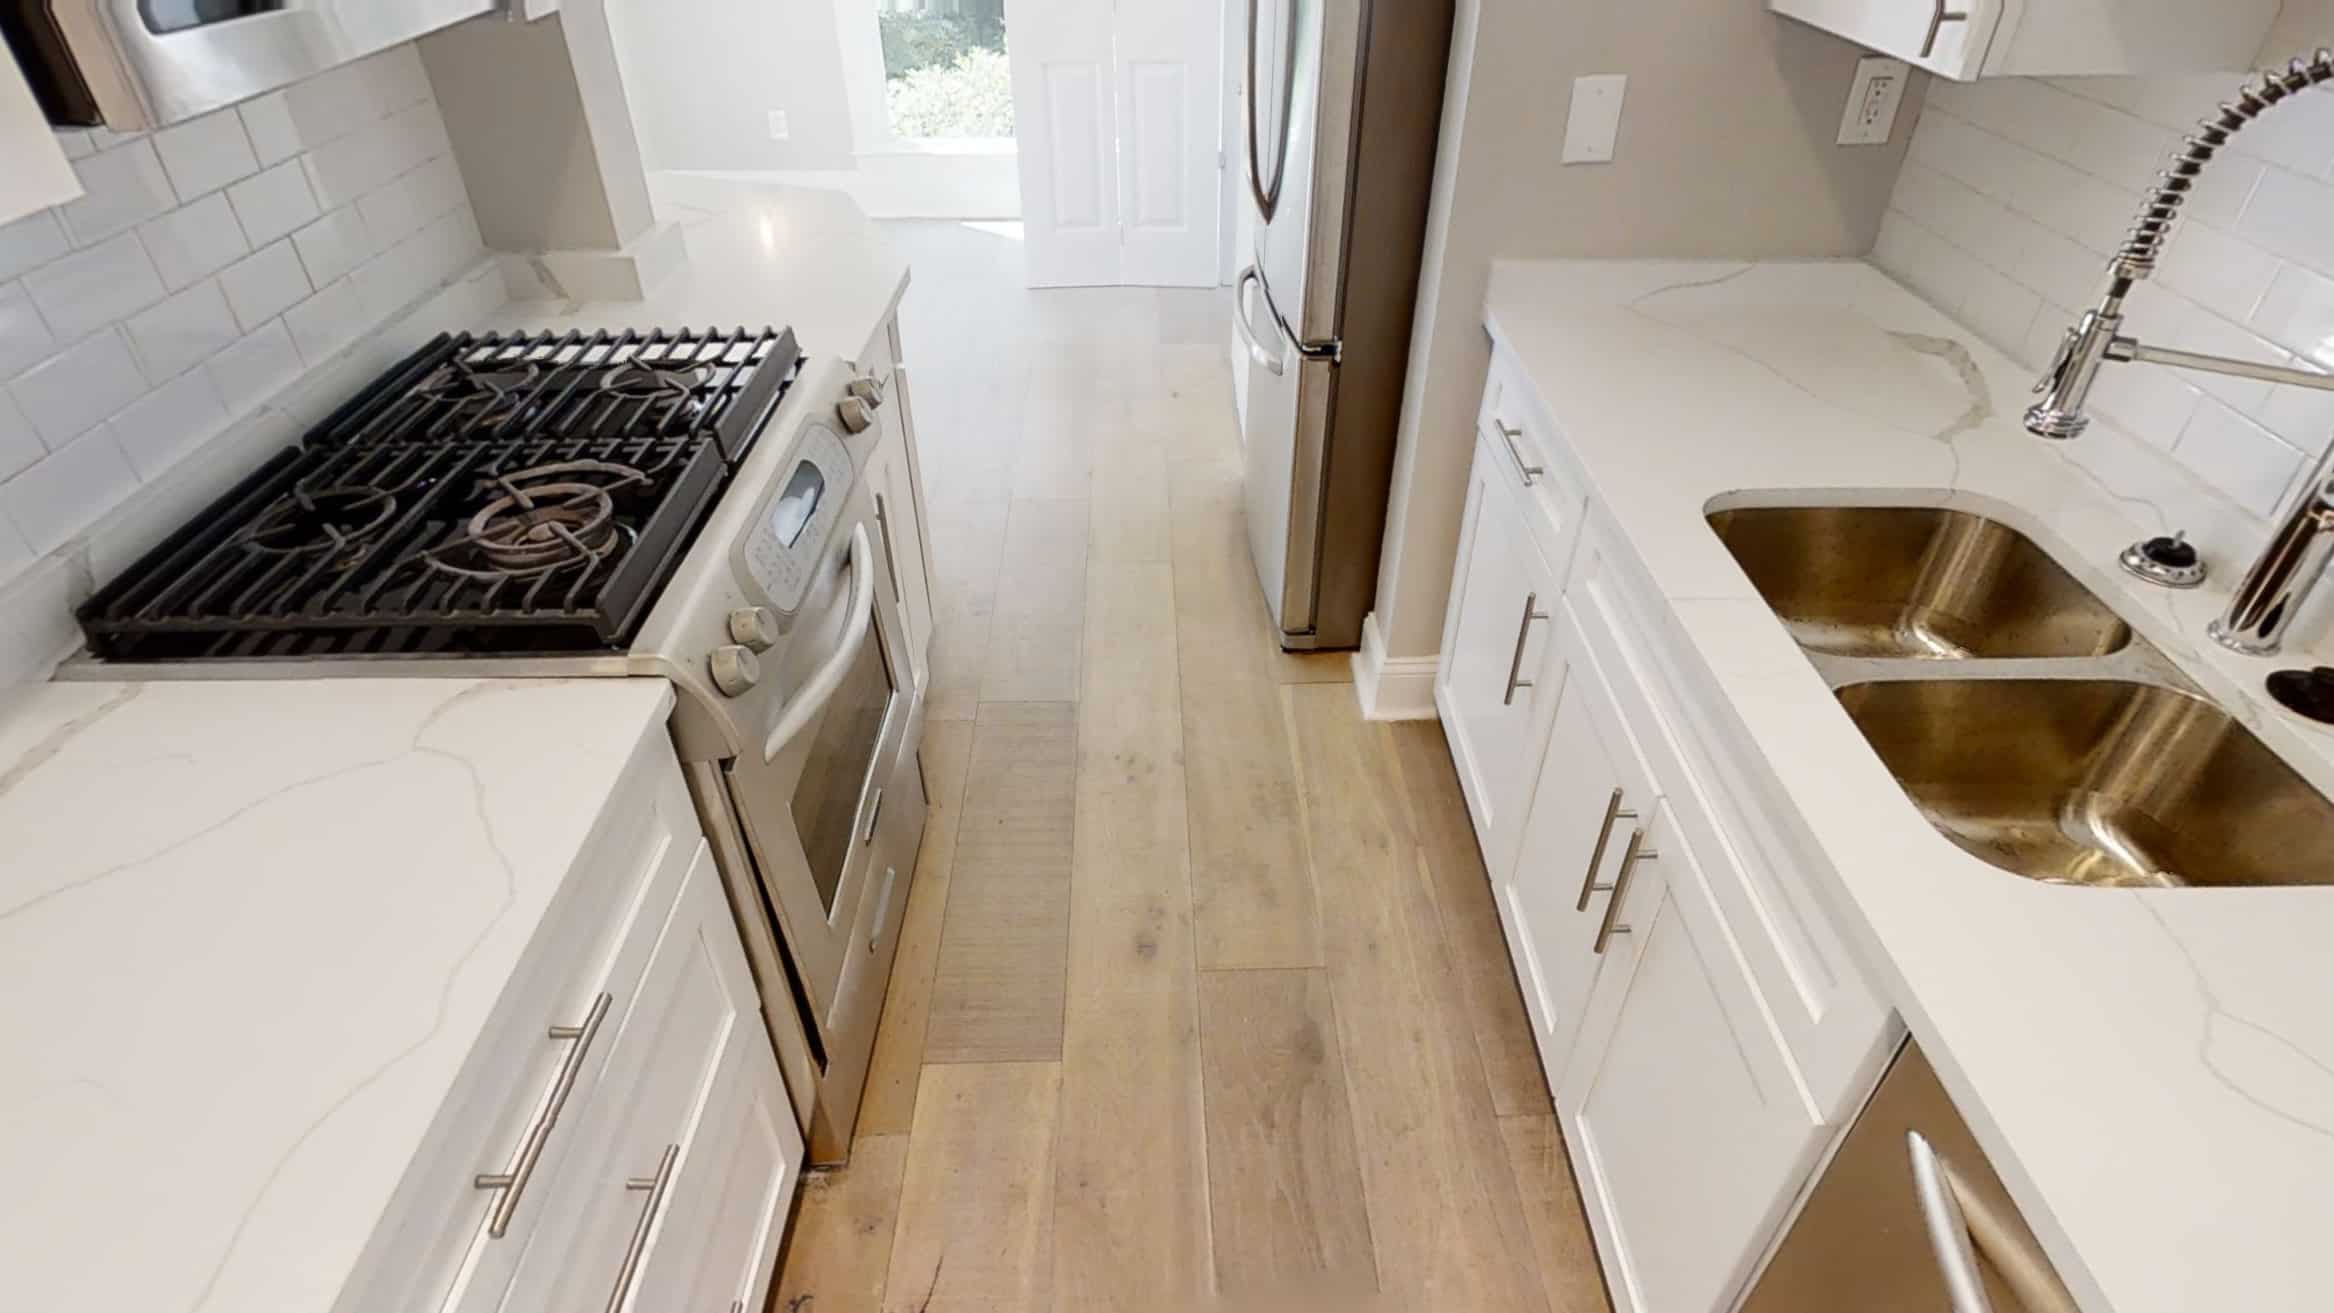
(37, 175)
(1499, 680)
(1688, 1129)
(1588, 806)
(1919, 31)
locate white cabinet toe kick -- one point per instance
(1705, 1031)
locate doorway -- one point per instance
(1118, 110)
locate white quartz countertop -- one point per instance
(758, 257)
(2151, 1071)
(248, 933)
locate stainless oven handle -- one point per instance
(812, 697)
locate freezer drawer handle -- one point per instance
(1610, 926)
(1509, 435)
(656, 1186)
(513, 1183)
(1948, 1230)
(812, 697)
(1515, 665)
(1264, 359)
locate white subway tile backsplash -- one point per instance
(31, 242)
(121, 189)
(24, 336)
(2297, 313)
(273, 204)
(169, 422)
(89, 289)
(1998, 308)
(202, 155)
(265, 285)
(68, 490)
(2219, 272)
(267, 121)
(67, 394)
(198, 282)
(255, 368)
(20, 447)
(182, 332)
(194, 241)
(2243, 459)
(334, 245)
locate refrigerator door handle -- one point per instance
(1268, 197)
(1264, 359)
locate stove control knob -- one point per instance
(755, 627)
(866, 389)
(735, 669)
(856, 415)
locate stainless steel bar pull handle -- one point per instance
(1515, 664)
(513, 1183)
(1611, 925)
(1614, 811)
(1939, 16)
(1509, 434)
(1965, 1289)
(882, 908)
(656, 1186)
(874, 812)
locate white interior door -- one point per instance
(1065, 113)
(1116, 108)
(1170, 80)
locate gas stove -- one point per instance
(495, 495)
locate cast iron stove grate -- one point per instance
(489, 495)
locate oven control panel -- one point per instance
(789, 534)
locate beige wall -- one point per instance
(705, 74)
(1725, 150)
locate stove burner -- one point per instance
(647, 380)
(332, 519)
(549, 517)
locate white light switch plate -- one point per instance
(778, 128)
(1595, 119)
(1872, 101)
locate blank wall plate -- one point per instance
(1595, 120)
(778, 129)
(1872, 100)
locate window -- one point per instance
(945, 72)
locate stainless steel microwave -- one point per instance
(132, 65)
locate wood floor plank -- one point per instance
(889, 1105)
(976, 1198)
(1129, 500)
(1284, 1180)
(1567, 1255)
(1445, 1218)
(968, 545)
(1252, 883)
(1470, 919)
(1039, 621)
(997, 988)
(1130, 1195)
(840, 1251)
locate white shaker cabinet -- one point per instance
(1587, 812)
(1966, 39)
(34, 173)
(1499, 677)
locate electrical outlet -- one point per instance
(778, 131)
(1872, 100)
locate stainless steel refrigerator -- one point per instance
(1344, 103)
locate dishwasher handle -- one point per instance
(1965, 1288)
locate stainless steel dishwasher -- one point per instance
(1909, 1218)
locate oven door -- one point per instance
(811, 789)
(133, 65)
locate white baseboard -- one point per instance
(1391, 688)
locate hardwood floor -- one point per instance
(1201, 998)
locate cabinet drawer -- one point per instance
(1759, 864)
(648, 1141)
(525, 1082)
(1532, 452)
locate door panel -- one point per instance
(1065, 112)
(1169, 94)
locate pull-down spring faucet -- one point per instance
(2278, 582)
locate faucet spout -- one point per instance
(2065, 387)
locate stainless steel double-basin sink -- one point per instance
(2018, 711)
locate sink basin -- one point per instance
(1914, 582)
(2098, 782)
